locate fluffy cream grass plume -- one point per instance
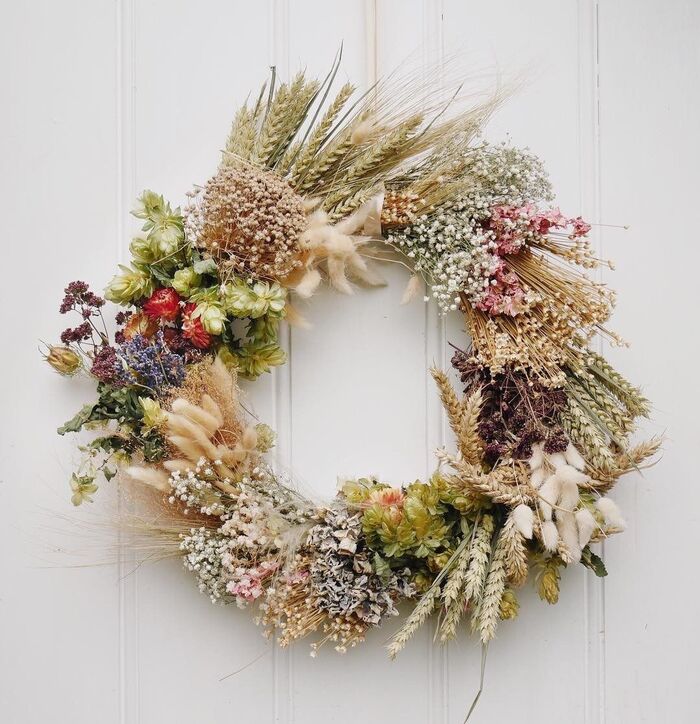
(209, 431)
(523, 519)
(557, 478)
(336, 247)
(586, 523)
(611, 513)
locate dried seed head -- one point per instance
(249, 220)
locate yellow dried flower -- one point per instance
(153, 415)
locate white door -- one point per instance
(101, 99)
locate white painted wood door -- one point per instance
(103, 98)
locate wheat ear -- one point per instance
(416, 619)
(319, 134)
(490, 604)
(450, 401)
(478, 565)
(515, 552)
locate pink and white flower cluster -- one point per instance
(513, 227)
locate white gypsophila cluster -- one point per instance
(223, 559)
(194, 488)
(452, 251)
(453, 247)
(204, 551)
(503, 174)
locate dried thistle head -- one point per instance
(249, 220)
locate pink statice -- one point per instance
(579, 226)
(512, 227)
(516, 225)
(505, 294)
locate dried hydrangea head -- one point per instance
(249, 220)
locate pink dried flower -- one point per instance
(387, 497)
(580, 227)
(505, 294)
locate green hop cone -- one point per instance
(142, 251)
(262, 298)
(509, 605)
(148, 205)
(548, 580)
(254, 359)
(166, 239)
(266, 437)
(186, 281)
(129, 286)
(212, 316)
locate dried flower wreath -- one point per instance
(308, 187)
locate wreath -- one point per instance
(314, 186)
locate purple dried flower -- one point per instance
(151, 363)
(77, 334)
(107, 367)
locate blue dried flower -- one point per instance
(151, 363)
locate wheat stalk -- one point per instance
(627, 461)
(628, 394)
(325, 162)
(450, 401)
(478, 565)
(468, 439)
(286, 112)
(586, 436)
(454, 598)
(501, 485)
(319, 134)
(351, 203)
(515, 553)
(241, 138)
(377, 153)
(489, 607)
(415, 620)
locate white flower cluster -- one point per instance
(194, 488)
(453, 246)
(503, 174)
(204, 550)
(232, 561)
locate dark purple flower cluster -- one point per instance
(516, 412)
(108, 367)
(151, 363)
(77, 334)
(79, 297)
